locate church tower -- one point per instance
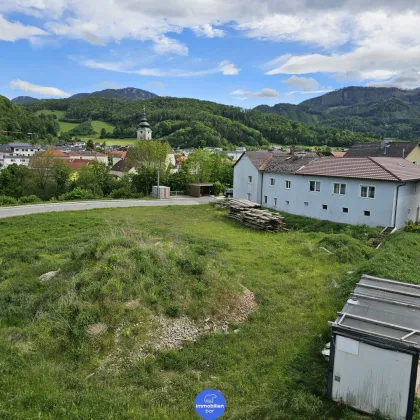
(144, 132)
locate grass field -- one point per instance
(175, 261)
(66, 126)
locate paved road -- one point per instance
(100, 204)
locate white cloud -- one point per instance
(228, 69)
(38, 90)
(263, 93)
(13, 31)
(302, 83)
(208, 31)
(166, 45)
(380, 38)
(225, 67)
(406, 80)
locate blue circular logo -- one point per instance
(210, 404)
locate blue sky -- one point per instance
(225, 51)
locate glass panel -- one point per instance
(371, 192)
(363, 191)
(336, 188)
(343, 189)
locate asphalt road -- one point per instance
(99, 204)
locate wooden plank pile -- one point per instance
(251, 215)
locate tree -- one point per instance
(15, 181)
(148, 153)
(96, 178)
(103, 134)
(90, 145)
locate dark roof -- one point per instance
(26, 145)
(286, 163)
(382, 309)
(5, 148)
(119, 166)
(379, 168)
(393, 149)
(143, 121)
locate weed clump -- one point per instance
(348, 250)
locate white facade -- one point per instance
(144, 133)
(247, 181)
(370, 378)
(392, 204)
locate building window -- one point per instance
(265, 199)
(345, 210)
(314, 186)
(250, 179)
(340, 189)
(272, 182)
(367, 191)
(249, 196)
(287, 184)
(275, 202)
(306, 203)
(324, 207)
(287, 202)
(366, 213)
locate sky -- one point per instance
(237, 52)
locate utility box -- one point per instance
(161, 192)
(374, 349)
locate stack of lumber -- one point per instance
(251, 215)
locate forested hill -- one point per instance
(16, 122)
(130, 94)
(388, 112)
(194, 123)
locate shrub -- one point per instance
(412, 227)
(28, 199)
(218, 188)
(123, 192)
(347, 249)
(5, 200)
(77, 194)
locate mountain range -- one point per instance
(387, 112)
(128, 94)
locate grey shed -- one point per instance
(375, 344)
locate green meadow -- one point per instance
(176, 262)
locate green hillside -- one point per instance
(195, 123)
(16, 122)
(388, 112)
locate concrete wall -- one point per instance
(381, 207)
(243, 169)
(369, 378)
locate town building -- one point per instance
(387, 148)
(17, 153)
(372, 191)
(144, 132)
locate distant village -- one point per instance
(370, 184)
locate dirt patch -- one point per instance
(132, 304)
(96, 330)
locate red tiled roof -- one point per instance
(76, 164)
(118, 153)
(54, 153)
(380, 168)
